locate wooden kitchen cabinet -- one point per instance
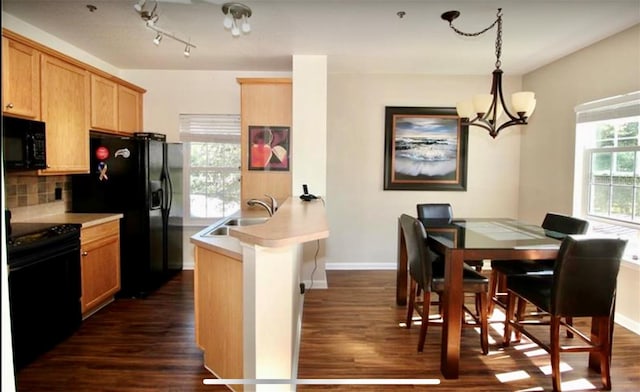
(100, 265)
(129, 110)
(65, 100)
(115, 107)
(104, 103)
(20, 79)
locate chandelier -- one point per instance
(484, 110)
(236, 18)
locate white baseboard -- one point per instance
(360, 266)
(317, 284)
(628, 323)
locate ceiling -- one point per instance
(356, 35)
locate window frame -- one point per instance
(608, 109)
(206, 128)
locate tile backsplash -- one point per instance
(25, 191)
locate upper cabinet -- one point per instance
(129, 110)
(114, 106)
(104, 104)
(65, 110)
(20, 79)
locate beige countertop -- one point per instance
(84, 219)
(296, 221)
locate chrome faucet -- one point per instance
(274, 203)
(253, 202)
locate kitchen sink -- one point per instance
(223, 229)
(246, 221)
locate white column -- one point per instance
(270, 298)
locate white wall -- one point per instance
(608, 68)
(362, 216)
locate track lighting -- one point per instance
(151, 19)
(236, 18)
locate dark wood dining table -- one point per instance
(471, 239)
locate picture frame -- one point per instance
(269, 148)
(425, 149)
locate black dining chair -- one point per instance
(554, 225)
(442, 211)
(427, 276)
(582, 284)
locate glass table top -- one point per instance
(491, 233)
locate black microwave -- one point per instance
(23, 143)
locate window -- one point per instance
(211, 166)
(608, 146)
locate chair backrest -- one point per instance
(559, 226)
(584, 276)
(418, 256)
(435, 211)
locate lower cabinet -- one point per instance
(100, 265)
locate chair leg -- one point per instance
(605, 324)
(511, 309)
(484, 324)
(520, 312)
(412, 300)
(555, 352)
(493, 290)
(425, 321)
(569, 321)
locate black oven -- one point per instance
(44, 287)
(24, 144)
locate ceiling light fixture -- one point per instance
(151, 19)
(236, 18)
(485, 109)
(139, 5)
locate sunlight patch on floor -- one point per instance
(535, 353)
(525, 346)
(531, 389)
(564, 367)
(580, 384)
(512, 376)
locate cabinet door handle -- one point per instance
(9, 105)
(85, 253)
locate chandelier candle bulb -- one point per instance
(522, 101)
(482, 103)
(465, 109)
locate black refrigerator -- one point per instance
(140, 177)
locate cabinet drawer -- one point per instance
(98, 232)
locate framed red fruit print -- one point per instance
(268, 147)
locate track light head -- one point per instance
(157, 39)
(187, 51)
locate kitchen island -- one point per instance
(248, 301)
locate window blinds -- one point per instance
(621, 106)
(210, 128)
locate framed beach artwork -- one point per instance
(425, 149)
(268, 148)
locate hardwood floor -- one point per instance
(351, 330)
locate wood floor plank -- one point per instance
(351, 330)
